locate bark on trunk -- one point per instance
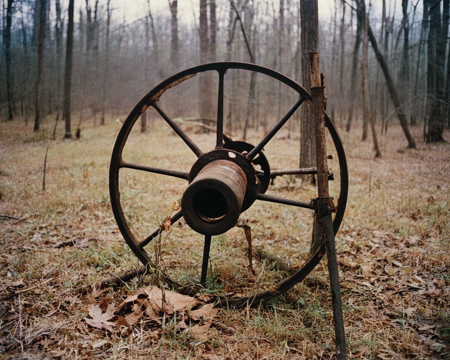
(435, 67)
(213, 31)
(174, 30)
(367, 112)
(68, 73)
(309, 13)
(41, 17)
(106, 62)
(204, 79)
(353, 84)
(7, 44)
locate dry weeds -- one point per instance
(392, 249)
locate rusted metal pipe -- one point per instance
(325, 203)
(212, 203)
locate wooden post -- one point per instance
(324, 203)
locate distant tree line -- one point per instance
(82, 60)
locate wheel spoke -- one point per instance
(205, 259)
(275, 173)
(219, 141)
(173, 173)
(280, 200)
(158, 231)
(274, 130)
(188, 141)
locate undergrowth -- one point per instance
(393, 252)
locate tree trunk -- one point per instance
(40, 17)
(68, 73)
(212, 31)
(365, 83)
(435, 71)
(174, 28)
(447, 85)
(392, 90)
(58, 36)
(205, 79)
(342, 53)
(106, 62)
(154, 38)
(404, 67)
(361, 11)
(7, 45)
(309, 42)
(353, 86)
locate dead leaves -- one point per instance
(152, 305)
(99, 319)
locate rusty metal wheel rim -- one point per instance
(150, 100)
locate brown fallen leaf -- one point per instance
(432, 290)
(204, 297)
(96, 292)
(410, 311)
(82, 243)
(205, 312)
(182, 325)
(99, 319)
(379, 234)
(99, 344)
(426, 327)
(10, 284)
(200, 331)
(148, 302)
(173, 302)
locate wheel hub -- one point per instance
(223, 183)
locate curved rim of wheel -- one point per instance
(150, 100)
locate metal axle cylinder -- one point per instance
(212, 203)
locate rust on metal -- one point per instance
(212, 203)
(171, 85)
(249, 178)
(325, 203)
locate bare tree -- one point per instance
(40, 25)
(404, 66)
(354, 76)
(212, 31)
(205, 79)
(367, 112)
(68, 73)
(309, 12)
(391, 87)
(7, 50)
(106, 61)
(435, 70)
(173, 5)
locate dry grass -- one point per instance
(393, 248)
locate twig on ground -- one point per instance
(7, 217)
(275, 260)
(123, 277)
(45, 166)
(15, 293)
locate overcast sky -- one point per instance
(186, 8)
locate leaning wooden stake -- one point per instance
(324, 203)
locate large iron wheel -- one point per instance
(240, 159)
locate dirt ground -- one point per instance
(393, 251)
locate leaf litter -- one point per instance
(152, 304)
(393, 250)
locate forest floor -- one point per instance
(393, 251)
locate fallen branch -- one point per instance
(122, 277)
(9, 296)
(7, 217)
(275, 260)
